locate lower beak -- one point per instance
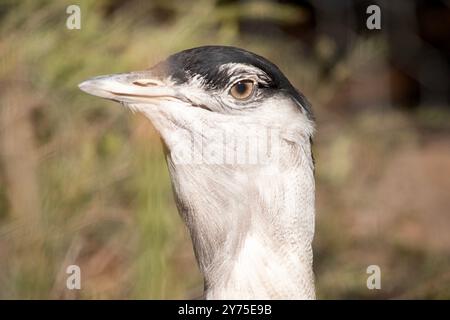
(135, 87)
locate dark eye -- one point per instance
(243, 89)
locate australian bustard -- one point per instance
(238, 140)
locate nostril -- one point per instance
(145, 83)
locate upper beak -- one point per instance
(134, 87)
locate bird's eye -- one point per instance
(243, 89)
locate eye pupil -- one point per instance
(242, 89)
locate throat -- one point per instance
(251, 229)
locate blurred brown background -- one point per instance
(84, 182)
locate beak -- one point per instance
(134, 87)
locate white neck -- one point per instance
(251, 227)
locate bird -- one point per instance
(237, 137)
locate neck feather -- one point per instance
(251, 226)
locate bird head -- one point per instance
(210, 88)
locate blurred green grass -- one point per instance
(97, 191)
